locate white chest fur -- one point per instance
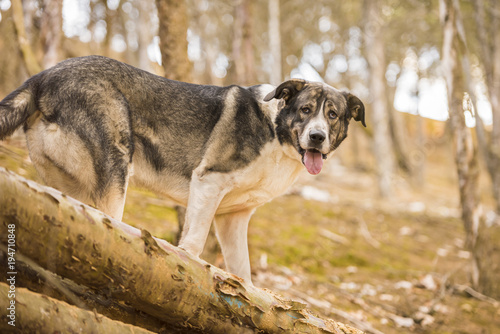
(267, 177)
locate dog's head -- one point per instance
(313, 118)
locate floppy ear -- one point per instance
(356, 108)
(286, 90)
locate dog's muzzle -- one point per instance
(312, 158)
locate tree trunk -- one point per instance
(479, 237)
(275, 42)
(173, 26)
(465, 152)
(146, 273)
(36, 313)
(144, 35)
(494, 93)
(418, 158)
(51, 32)
(35, 278)
(110, 20)
(243, 54)
(489, 42)
(375, 56)
(29, 57)
(397, 128)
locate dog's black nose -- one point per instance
(317, 136)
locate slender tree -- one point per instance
(51, 32)
(144, 35)
(275, 42)
(375, 56)
(243, 54)
(29, 57)
(479, 237)
(489, 54)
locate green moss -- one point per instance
(349, 259)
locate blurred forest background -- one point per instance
(401, 232)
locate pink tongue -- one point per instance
(313, 161)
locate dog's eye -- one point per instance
(332, 114)
(305, 110)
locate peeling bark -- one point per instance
(36, 313)
(37, 279)
(149, 274)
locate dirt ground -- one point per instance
(384, 265)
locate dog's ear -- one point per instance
(356, 108)
(286, 90)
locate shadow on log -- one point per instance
(148, 274)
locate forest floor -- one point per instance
(385, 265)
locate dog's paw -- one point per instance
(191, 249)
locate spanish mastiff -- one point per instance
(93, 123)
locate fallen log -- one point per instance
(36, 313)
(37, 279)
(76, 241)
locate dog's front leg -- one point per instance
(232, 230)
(205, 194)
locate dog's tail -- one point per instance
(16, 108)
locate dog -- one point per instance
(94, 123)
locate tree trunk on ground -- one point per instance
(29, 57)
(479, 237)
(275, 42)
(148, 274)
(35, 278)
(36, 313)
(51, 32)
(375, 56)
(173, 26)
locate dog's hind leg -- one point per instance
(113, 200)
(232, 235)
(61, 159)
(65, 163)
(89, 165)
